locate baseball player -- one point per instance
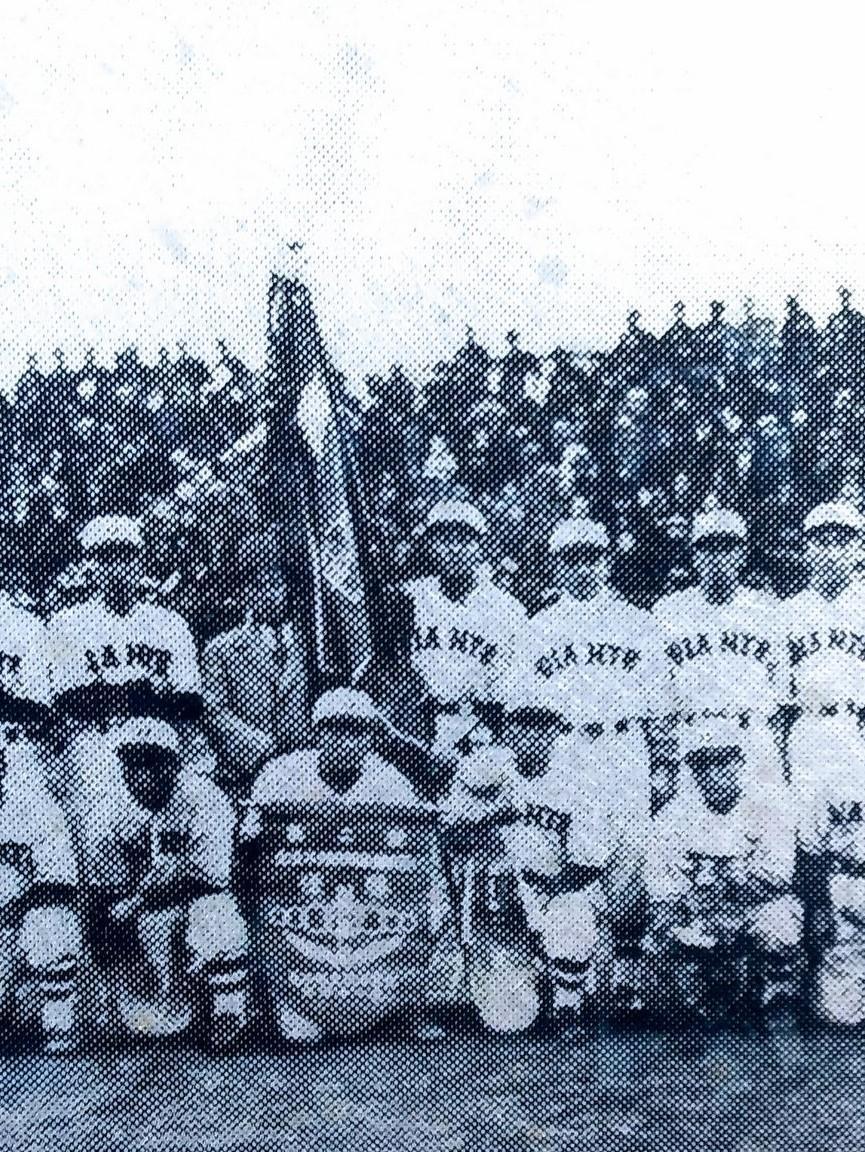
(168, 940)
(723, 658)
(544, 852)
(349, 903)
(40, 939)
(719, 875)
(462, 622)
(115, 656)
(826, 749)
(593, 661)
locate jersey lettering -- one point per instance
(150, 659)
(606, 655)
(850, 813)
(9, 664)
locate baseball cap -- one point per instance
(578, 532)
(346, 704)
(148, 730)
(718, 522)
(456, 512)
(835, 512)
(102, 530)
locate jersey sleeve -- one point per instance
(212, 844)
(51, 852)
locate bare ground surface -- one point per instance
(627, 1092)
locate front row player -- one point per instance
(719, 874)
(40, 935)
(168, 941)
(548, 888)
(346, 896)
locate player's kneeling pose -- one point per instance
(726, 924)
(40, 937)
(539, 888)
(168, 941)
(833, 836)
(346, 889)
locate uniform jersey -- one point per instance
(693, 846)
(25, 676)
(721, 656)
(825, 642)
(35, 844)
(121, 841)
(458, 647)
(556, 818)
(591, 661)
(92, 647)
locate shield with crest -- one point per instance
(349, 905)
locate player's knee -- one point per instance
(569, 928)
(504, 989)
(50, 939)
(216, 931)
(776, 926)
(847, 894)
(839, 992)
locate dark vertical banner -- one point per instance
(315, 492)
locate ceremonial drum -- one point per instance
(349, 903)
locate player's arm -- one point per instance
(237, 740)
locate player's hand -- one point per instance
(124, 909)
(163, 873)
(694, 935)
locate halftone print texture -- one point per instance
(432, 690)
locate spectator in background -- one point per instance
(254, 678)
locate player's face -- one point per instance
(530, 735)
(583, 570)
(119, 573)
(150, 773)
(719, 562)
(717, 773)
(344, 745)
(832, 553)
(455, 551)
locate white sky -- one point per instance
(539, 165)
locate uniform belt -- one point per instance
(449, 707)
(594, 730)
(838, 708)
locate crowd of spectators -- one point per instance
(763, 418)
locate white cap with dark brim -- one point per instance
(346, 704)
(102, 530)
(458, 512)
(577, 532)
(147, 730)
(718, 522)
(836, 512)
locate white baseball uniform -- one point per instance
(25, 671)
(596, 663)
(826, 666)
(39, 930)
(458, 648)
(558, 821)
(725, 667)
(107, 667)
(826, 750)
(740, 862)
(190, 842)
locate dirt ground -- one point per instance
(734, 1094)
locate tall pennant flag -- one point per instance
(316, 491)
